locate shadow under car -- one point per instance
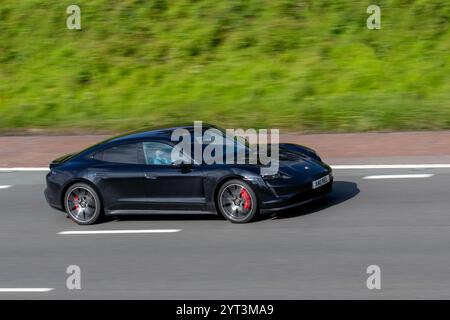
(342, 191)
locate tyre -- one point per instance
(237, 201)
(82, 204)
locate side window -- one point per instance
(213, 137)
(157, 153)
(124, 153)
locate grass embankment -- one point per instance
(307, 65)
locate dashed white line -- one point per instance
(24, 290)
(399, 176)
(24, 169)
(391, 166)
(119, 231)
(5, 187)
(336, 167)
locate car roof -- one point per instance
(145, 133)
(138, 135)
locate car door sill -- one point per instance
(137, 212)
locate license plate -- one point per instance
(320, 182)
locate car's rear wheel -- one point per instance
(237, 201)
(82, 203)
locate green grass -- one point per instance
(309, 65)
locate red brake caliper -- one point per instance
(75, 197)
(247, 199)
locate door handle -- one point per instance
(149, 176)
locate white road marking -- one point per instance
(336, 167)
(391, 166)
(119, 231)
(24, 169)
(5, 187)
(12, 290)
(399, 176)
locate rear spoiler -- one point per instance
(59, 161)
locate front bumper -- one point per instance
(296, 199)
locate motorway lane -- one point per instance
(321, 250)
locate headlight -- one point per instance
(277, 175)
(271, 176)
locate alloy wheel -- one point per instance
(81, 204)
(236, 202)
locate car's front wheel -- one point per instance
(237, 201)
(82, 203)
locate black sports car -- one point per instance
(134, 174)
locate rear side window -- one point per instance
(130, 153)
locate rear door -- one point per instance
(120, 177)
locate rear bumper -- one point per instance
(52, 199)
(298, 199)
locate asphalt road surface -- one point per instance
(319, 251)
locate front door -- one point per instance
(168, 186)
